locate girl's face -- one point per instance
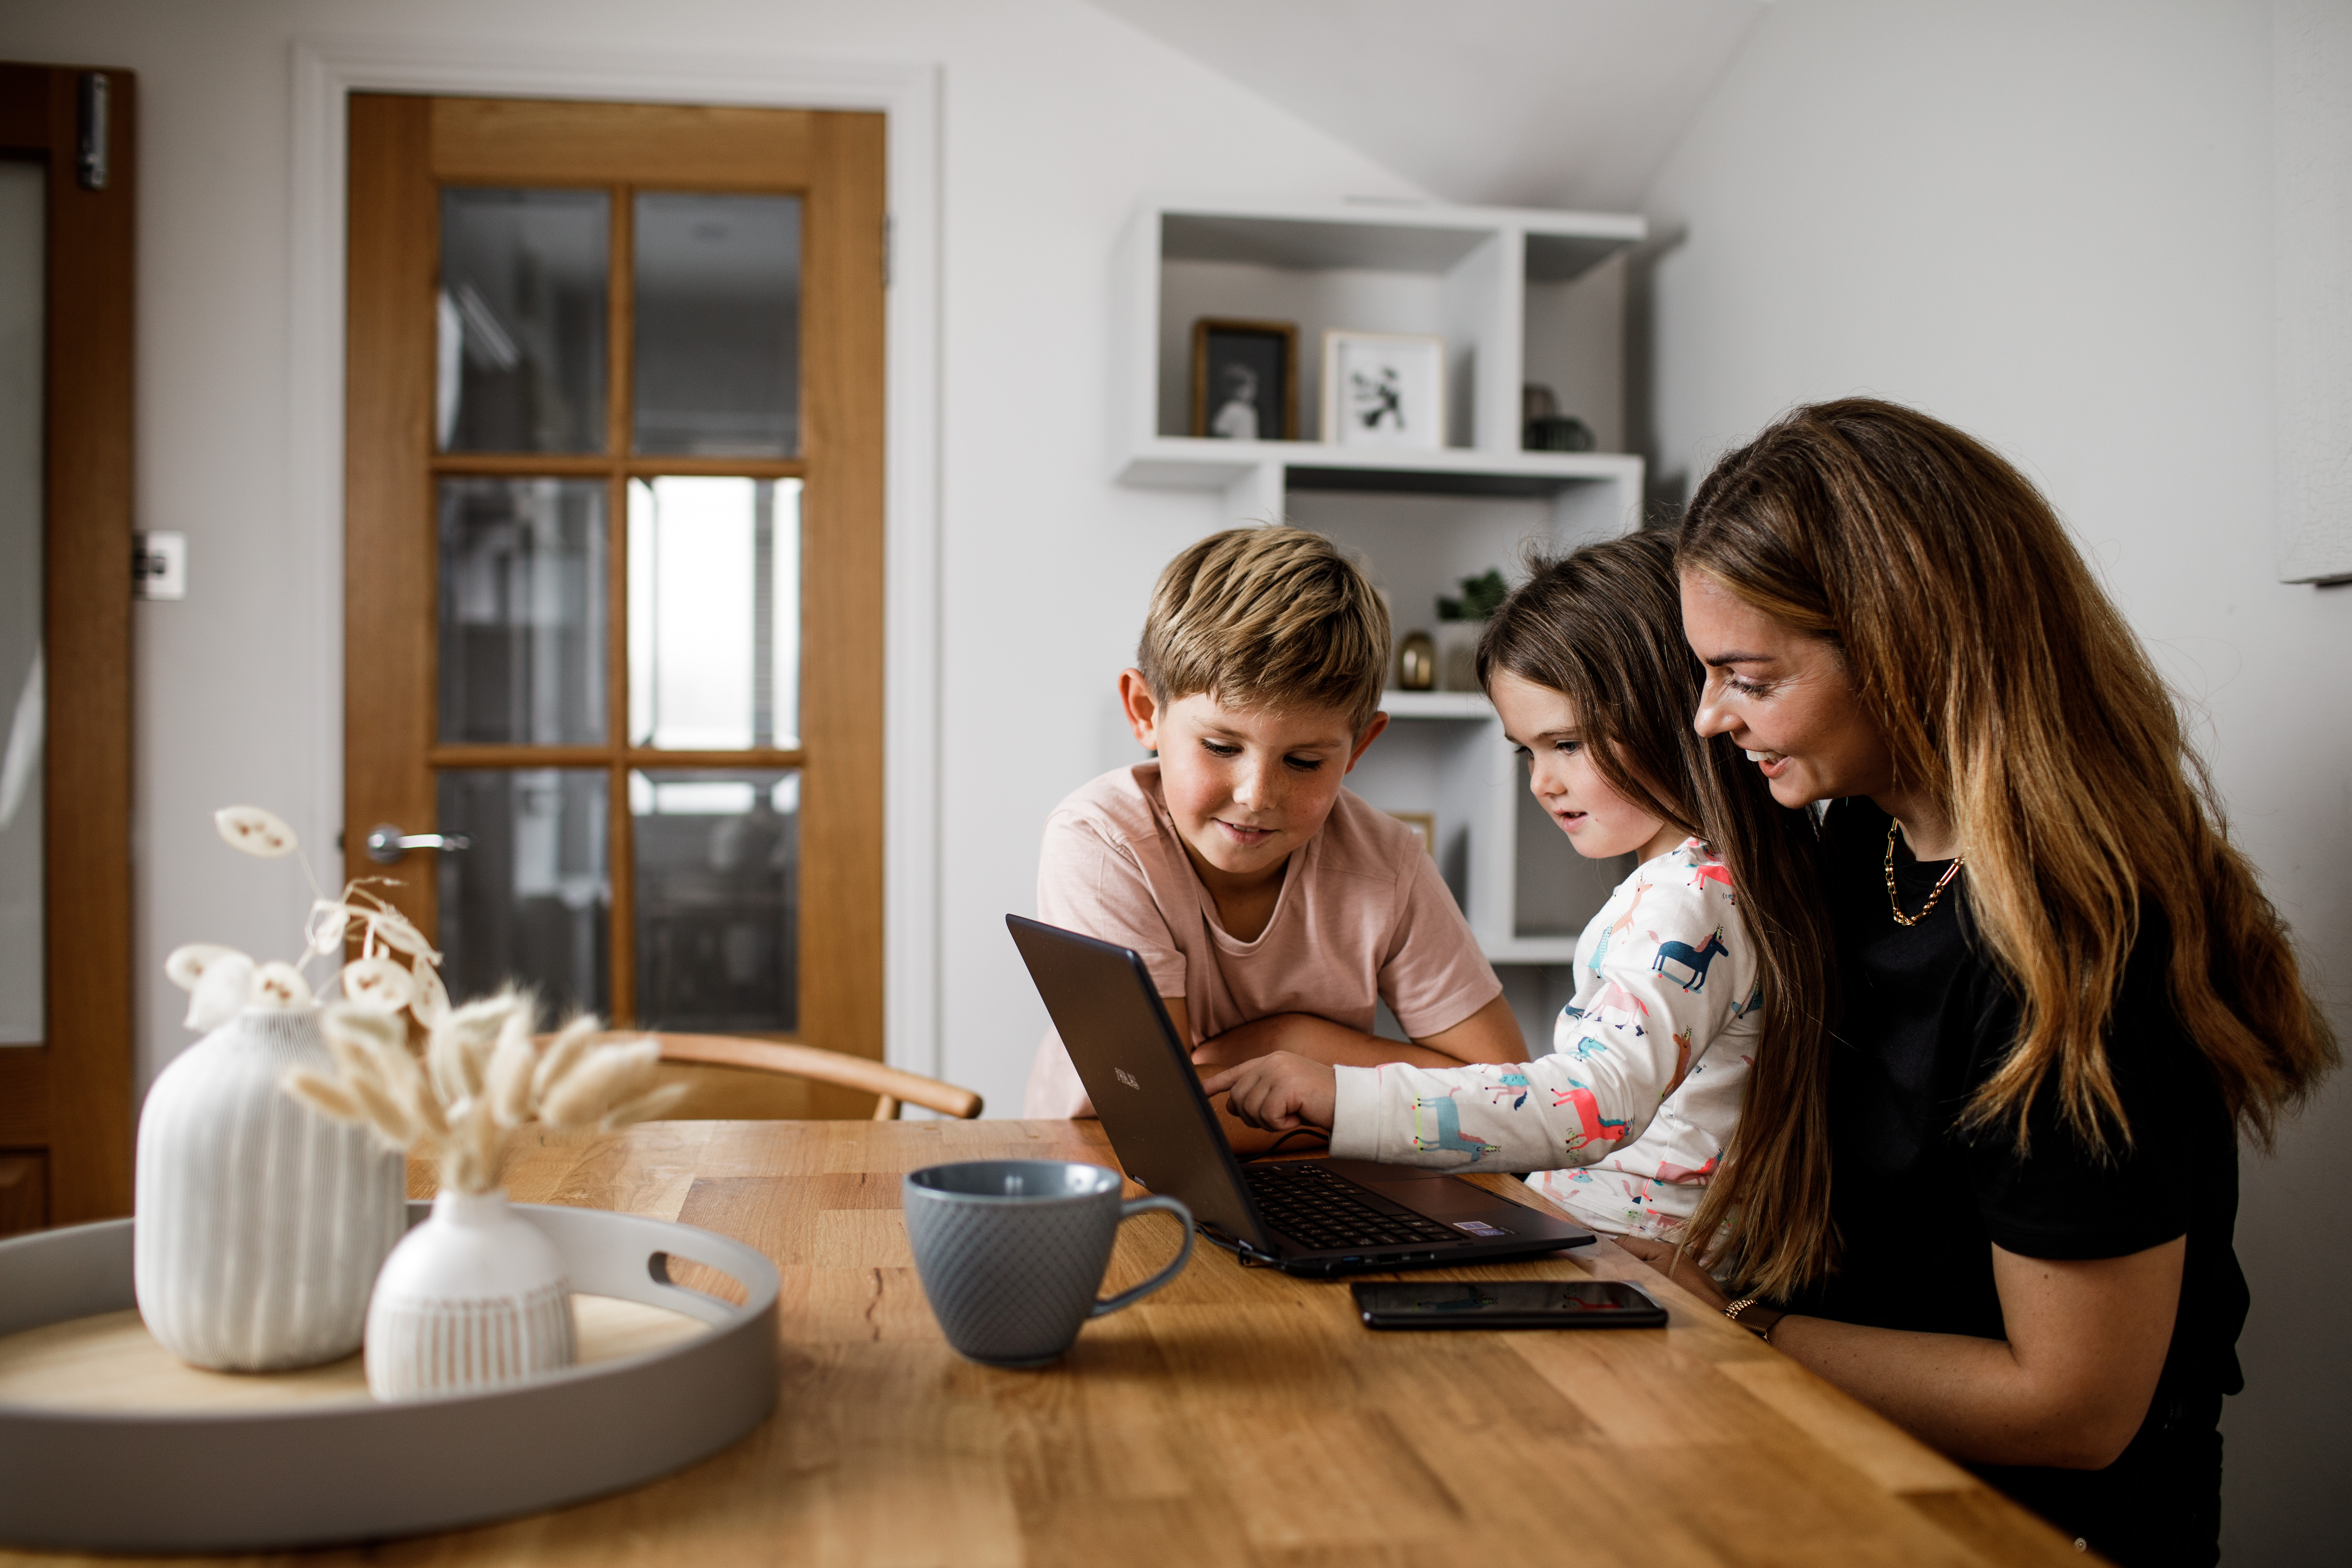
(1598, 821)
(1784, 696)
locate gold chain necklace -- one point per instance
(1894, 904)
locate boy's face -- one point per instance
(1245, 785)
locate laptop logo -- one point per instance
(1479, 1227)
(1127, 1077)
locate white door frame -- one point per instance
(327, 71)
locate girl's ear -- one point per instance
(1142, 709)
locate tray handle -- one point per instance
(661, 1264)
(700, 1279)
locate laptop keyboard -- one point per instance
(1310, 1205)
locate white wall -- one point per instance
(1055, 120)
(2051, 225)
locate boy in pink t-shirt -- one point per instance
(1272, 907)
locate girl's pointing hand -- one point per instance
(1278, 1091)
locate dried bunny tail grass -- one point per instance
(568, 1046)
(650, 1107)
(460, 1047)
(358, 1038)
(376, 1105)
(405, 1076)
(326, 1096)
(470, 1149)
(602, 1079)
(373, 1048)
(513, 1064)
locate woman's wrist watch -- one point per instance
(1755, 1317)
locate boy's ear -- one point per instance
(1141, 708)
(1371, 733)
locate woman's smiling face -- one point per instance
(1784, 696)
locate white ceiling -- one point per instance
(1574, 103)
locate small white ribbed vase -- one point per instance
(261, 1223)
(474, 1297)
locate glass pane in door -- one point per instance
(717, 349)
(714, 613)
(717, 881)
(531, 899)
(24, 315)
(522, 320)
(523, 590)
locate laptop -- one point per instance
(1322, 1216)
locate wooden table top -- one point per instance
(1236, 1418)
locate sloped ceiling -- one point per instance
(1574, 103)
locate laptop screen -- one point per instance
(1140, 1076)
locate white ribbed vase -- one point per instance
(474, 1297)
(261, 1223)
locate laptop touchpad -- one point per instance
(1433, 1192)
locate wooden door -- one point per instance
(66, 139)
(614, 553)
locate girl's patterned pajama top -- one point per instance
(1627, 1117)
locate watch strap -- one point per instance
(1762, 1325)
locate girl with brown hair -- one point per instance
(1994, 1200)
(1678, 986)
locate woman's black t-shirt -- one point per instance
(1925, 1016)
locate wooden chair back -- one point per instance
(891, 1087)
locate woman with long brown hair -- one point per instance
(1994, 1199)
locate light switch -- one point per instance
(159, 565)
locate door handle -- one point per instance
(388, 844)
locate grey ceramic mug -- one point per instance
(1011, 1252)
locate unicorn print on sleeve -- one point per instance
(1626, 1118)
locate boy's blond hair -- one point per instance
(1271, 617)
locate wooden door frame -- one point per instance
(70, 1097)
(406, 150)
(326, 72)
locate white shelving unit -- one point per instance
(1478, 787)
(1471, 705)
(1518, 295)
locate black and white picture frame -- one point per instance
(1383, 389)
(1245, 380)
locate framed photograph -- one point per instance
(1383, 389)
(1423, 824)
(1246, 380)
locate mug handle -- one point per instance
(1128, 1211)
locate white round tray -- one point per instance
(342, 1468)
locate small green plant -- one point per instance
(1481, 597)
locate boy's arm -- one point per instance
(1490, 1035)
